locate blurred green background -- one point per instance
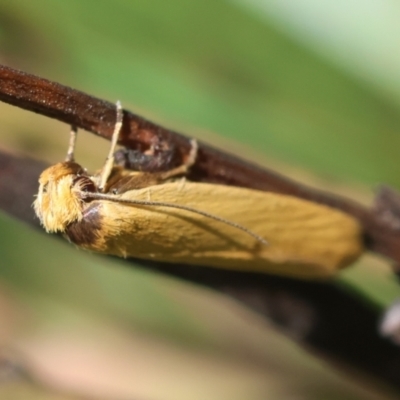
(311, 89)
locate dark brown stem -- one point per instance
(320, 315)
(98, 116)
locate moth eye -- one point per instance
(114, 191)
(44, 188)
(84, 184)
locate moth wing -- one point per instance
(304, 239)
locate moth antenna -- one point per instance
(72, 143)
(102, 196)
(109, 163)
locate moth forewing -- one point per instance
(151, 216)
(304, 239)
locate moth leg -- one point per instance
(182, 182)
(123, 181)
(184, 168)
(72, 142)
(109, 163)
(157, 159)
(193, 153)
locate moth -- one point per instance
(161, 216)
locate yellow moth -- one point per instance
(160, 216)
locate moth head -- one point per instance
(58, 202)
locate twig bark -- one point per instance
(98, 116)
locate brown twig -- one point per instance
(98, 116)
